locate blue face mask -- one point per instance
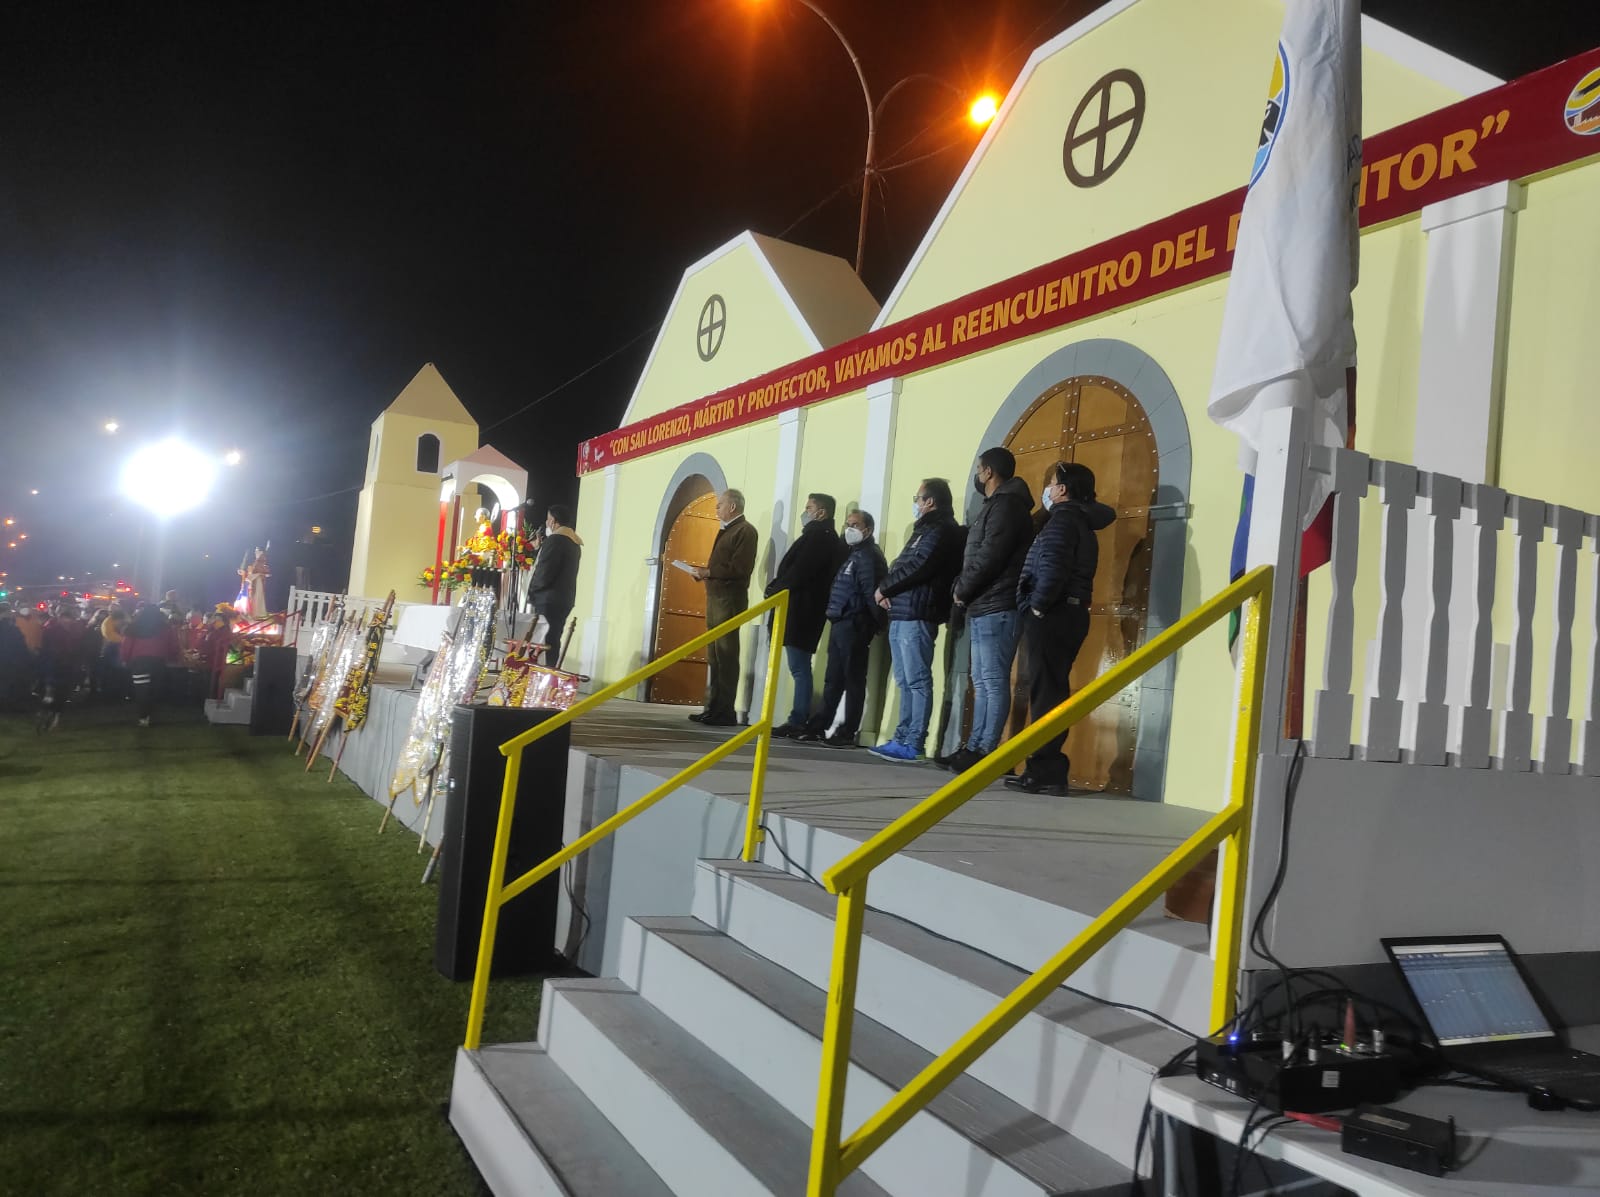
(1049, 502)
(916, 511)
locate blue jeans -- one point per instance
(994, 644)
(911, 651)
(799, 662)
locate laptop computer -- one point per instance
(1476, 999)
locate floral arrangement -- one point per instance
(506, 550)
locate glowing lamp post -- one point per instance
(981, 112)
(168, 478)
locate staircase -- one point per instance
(233, 706)
(694, 1071)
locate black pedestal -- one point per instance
(525, 941)
(272, 696)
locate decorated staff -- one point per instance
(316, 660)
(350, 707)
(331, 685)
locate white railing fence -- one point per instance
(1455, 641)
(307, 608)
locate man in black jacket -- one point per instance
(997, 543)
(553, 589)
(806, 572)
(852, 613)
(727, 578)
(1053, 595)
(917, 596)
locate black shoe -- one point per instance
(839, 740)
(959, 761)
(719, 721)
(698, 717)
(1029, 784)
(789, 731)
(806, 736)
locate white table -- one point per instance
(1510, 1149)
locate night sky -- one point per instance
(252, 223)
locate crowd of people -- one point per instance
(78, 650)
(1021, 581)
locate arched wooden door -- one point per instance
(681, 602)
(1100, 424)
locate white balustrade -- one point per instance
(1447, 712)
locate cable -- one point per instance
(572, 896)
(559, 387)
(791, 861)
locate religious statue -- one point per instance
(484, 546)
(253, 574)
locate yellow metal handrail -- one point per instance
(834, 1157)
(500, 892)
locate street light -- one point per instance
(985, 104)
(168, 477)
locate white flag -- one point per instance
(1288, 313)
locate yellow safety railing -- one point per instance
(501, 892)
(834, 1157)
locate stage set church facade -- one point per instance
(1067, 302)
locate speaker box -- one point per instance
(272, 695)
(525, 941)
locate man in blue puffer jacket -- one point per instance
(917, 596)
(1053, 596)
(852, 622)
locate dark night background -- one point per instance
(252, 223)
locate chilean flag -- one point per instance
(1288, 314)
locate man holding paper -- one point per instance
(727, 579)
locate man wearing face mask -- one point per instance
(997, 543)
(806, 572)
(917, 596)
(852, 613)
(553, 589)
(1053, 595)
(727, 579)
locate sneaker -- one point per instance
(839, 740)
(1029, 784)
(895, 751)
(789, 731)
(806, 736)
(145, 722)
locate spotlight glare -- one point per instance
(111, 425)
(232, 457)
(168, 477)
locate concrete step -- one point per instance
(697, 1122)
(767, 1022)
(1078, 1063)
(532, 1132)
(1158, 963)
(232, 708)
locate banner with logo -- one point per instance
(1538, 123)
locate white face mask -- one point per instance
(854, 536)
(805, 518)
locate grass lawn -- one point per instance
(215, 977)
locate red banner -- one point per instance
(1535, 124)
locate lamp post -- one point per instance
(874, 112)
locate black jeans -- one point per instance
(147, 676)
(1049, 644)
(848, 643)
(557, 619)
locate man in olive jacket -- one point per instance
(727, 579)
(806, 572)
(997, 543)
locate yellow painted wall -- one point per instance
(1553, 354)
(1205, 69)
(397, 514)
(761, 334)
(748, 458)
